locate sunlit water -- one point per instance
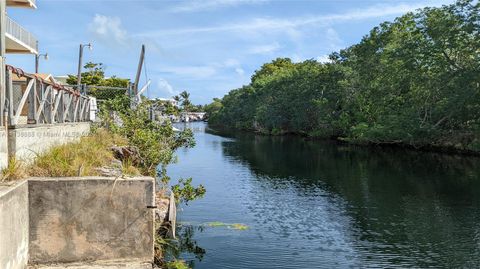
(312, 204)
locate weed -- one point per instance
(177, 264)
(15, 170)
(129, 169)
(78, 158)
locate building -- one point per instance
(17, 38)
(165, 100)
(61, 79)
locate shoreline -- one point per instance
(367, 144)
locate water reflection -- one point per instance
(372, 207)
(184, 246)
(312, 204)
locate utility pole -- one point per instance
(37, 59)
(80, 59)
(79, 74)
(139, 70)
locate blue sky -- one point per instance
(206, 47)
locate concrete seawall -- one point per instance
(14, 226)
(47, 221)
(26, 141)
(74, 220)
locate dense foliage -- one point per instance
(156, 143)
(414, 81)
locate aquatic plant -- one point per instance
(215, 224)
(238, 226)
(234, 226)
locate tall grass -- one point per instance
(80, 158)
(14, 170)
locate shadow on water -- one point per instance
(185, 246)
(407, 208)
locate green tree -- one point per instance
(413, 81)
(95, 76)
(186, 103)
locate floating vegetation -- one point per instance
(216, 224)
(239, 226)
(234, 226)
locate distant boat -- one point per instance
(176, 129)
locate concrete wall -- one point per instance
(28, 140)
(94, 218)
(14, 226)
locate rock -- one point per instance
(123, 153)
(109, 171)
(114, 170)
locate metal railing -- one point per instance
(29, 99)
(20, 33)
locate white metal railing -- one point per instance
(39, 101)
(20, 33)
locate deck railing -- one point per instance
(20, 33)
(29, 99)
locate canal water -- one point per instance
(312, 204)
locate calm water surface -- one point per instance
(311, 204)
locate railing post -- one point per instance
(86, 115)
(70, 107)
(48, 105)
(61, 106)
(32, 104)
(41, 92)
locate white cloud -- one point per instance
(108, 30)
(296, 58)
(164, 89)
(240, 71)
(231, 63)
(289, 25)
(207, 5)
(334, 40)
(191, 72)
(323, 59)
(264, 49)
